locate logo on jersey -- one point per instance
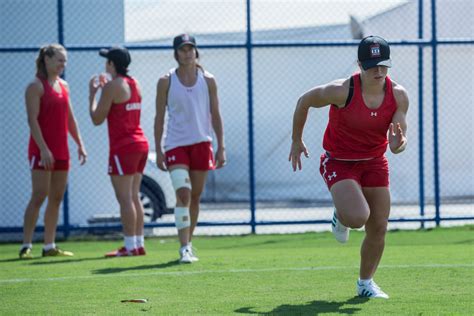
(133, 106)
(373, 113)
(333, 175)
(375, 51)
(172, 158)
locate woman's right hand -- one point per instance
(47, 159)
(161, 160)
(295, 154)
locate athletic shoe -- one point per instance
(185, 255)
(340, 231)
(56, 252)
(370, 289)
(192, 251)
(25, 253)
(122, 252)
(141, 251)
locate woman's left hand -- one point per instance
(220, 158)
(396, 138)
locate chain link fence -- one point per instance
(264, 55)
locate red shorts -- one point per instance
(198, 156)
(59, 165)
(128, 160)
(368, 173)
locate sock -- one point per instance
(130, 242)
(140, 241)
(27, 245)
(364, 281)
(47, 247)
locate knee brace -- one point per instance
(180, 179)
(181, 215)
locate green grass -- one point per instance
(424, 272)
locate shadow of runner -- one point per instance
(311, 308)
(135, 268)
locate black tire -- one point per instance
(153, 200)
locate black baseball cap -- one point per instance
(118, 54)
(374, 51)
(183, 39)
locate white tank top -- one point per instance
(189, 113)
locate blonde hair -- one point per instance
(47, 50)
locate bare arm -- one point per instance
(99, 112)
(216, 122)
(332, 93)
(33, 94)
(398, 127)
(161, 102)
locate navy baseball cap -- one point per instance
(183, 39)
(374, 51)
(118, 54)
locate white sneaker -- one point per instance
(370, 289)
(185, 255)
(340, 231)
(191, 251)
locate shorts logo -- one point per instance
(172, 158)
(375, 51)
(110, 169)
(373, 113)
(333, 175)
(210, 163)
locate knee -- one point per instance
(37, 198)
(183, 196)
(125, 200)
(377, 231)
(356, 221)
(195, 197)
(136, 198)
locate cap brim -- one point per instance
(186, 43)
(104, 52)
(376, 62)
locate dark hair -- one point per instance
(47, 50)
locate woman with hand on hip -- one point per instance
(50, 118)
(120, 104)
(189, 94)
(364, 108)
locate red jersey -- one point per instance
(53, 121)
(356, 131)
(123, 120)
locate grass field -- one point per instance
(424, 272)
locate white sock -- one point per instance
(27, 245)
(130, 242)
(47, 247)
(364, 281)
(140, 241)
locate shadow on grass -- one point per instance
(56, 260)
(311, 308)
(135, 268)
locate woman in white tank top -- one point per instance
(189, 96)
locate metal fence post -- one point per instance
(66, 228)
(421, 166)
(250, 119)
(434, 46)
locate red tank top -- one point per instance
(53, 121)
(356, 131)
(123, 121)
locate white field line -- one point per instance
(185, 273)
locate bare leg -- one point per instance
(123, 191)
(198, 180)
(40, 181)
(137, 180)
(375, 230)
(55, 197)
(351, 206)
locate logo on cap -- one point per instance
(375, 51)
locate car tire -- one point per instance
(153, 200)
